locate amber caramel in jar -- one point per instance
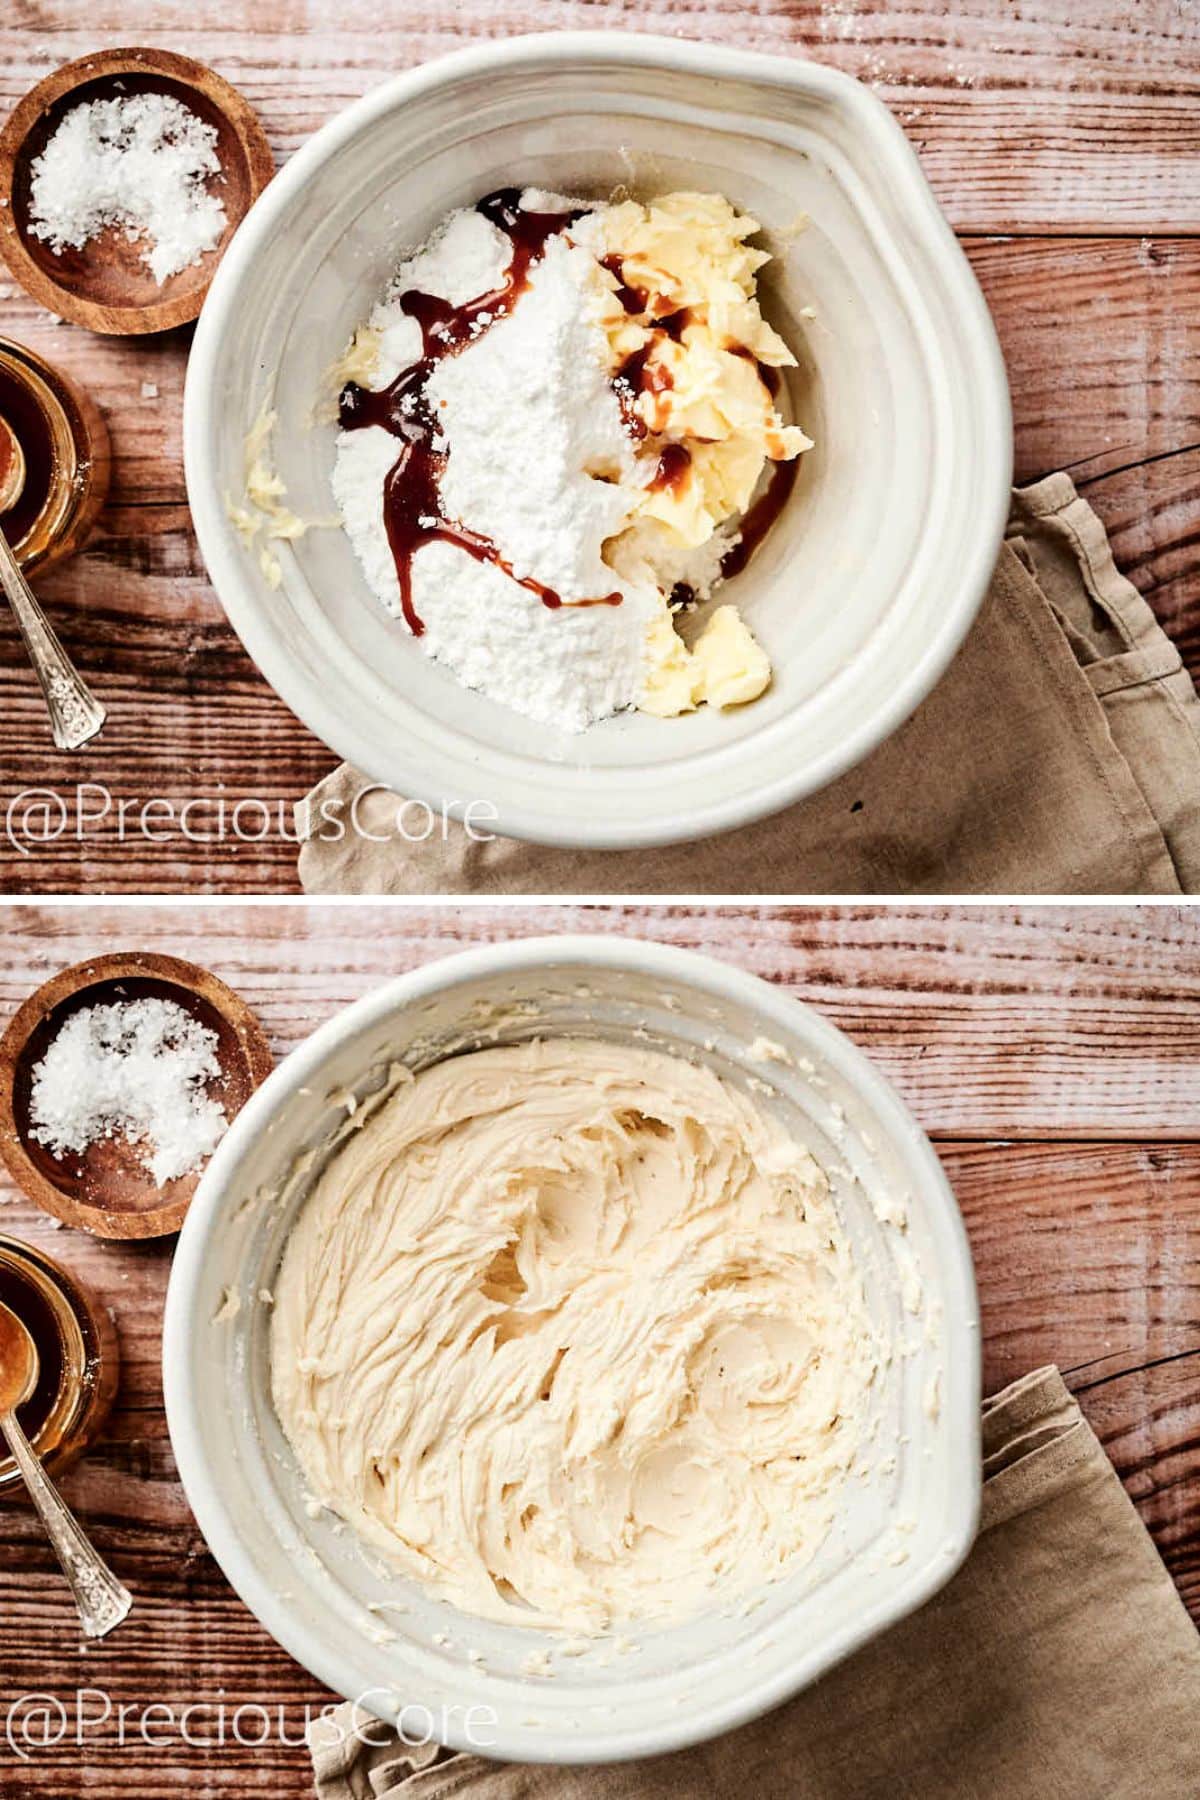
(77, 1357)
(66, 452)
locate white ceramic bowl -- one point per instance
(903, 1529)
(867, 584)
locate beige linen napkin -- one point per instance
(1058, 1664)
(1059, 754)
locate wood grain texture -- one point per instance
(1027, 1023)
(1063, 141)
(1046, 117)
(1069, 1135)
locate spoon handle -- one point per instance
(100, 1597)
(75, 714)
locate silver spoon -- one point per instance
(75, 714)
(101, 1599)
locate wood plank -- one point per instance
(1043, 118)
(1089, 1256)
(1102, 363)
(1033, 1022)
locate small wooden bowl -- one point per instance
(107, 1190)
(106, 285)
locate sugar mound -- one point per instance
(138, 1069)
(538, 458)
(139, 162)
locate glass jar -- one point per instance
(77, 1357)
(66, 450)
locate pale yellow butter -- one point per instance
(688, 255)
(669, 682)
(732, 665)
(264, 495)
(726, 666)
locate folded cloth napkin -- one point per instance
(1058, 1664)
(1059, 754)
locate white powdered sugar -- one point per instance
(140, 162)
(138, 1069)
(537, 442)
(536, 458)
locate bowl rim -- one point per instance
(960, 1403)
(410, 774)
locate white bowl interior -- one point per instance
(907, 1516)
(867, 581)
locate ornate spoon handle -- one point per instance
(75, 714)
(100, 1597)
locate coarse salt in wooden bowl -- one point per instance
(106, 285)
(107, 1189)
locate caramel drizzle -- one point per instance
(413, 512)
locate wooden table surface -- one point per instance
(1063, 141)
(1051, 1053)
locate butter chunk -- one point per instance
(731, 665)
(669, 683)
(704, 350)
(727, 666)
(264, 509)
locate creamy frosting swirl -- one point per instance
(573, 1333)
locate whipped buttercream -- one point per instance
(573, 1333)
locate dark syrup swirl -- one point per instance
(759, 520)
(633, 299)
(754, 528)
(412, 500)
(637, 376)
(674, 467)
